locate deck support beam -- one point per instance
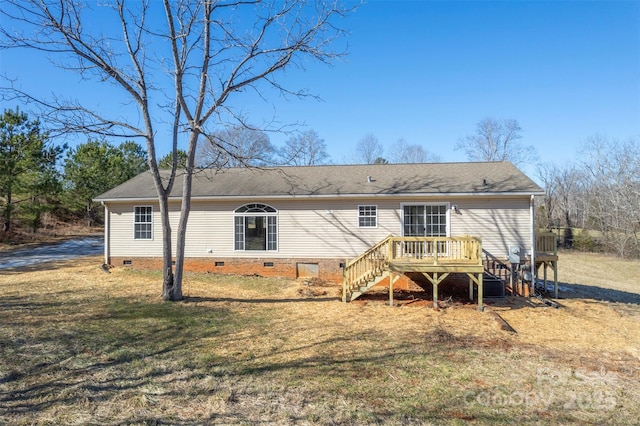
(554, 264)
(555, 279)
(545, 264)
(470, 287)
(435, 292)
(393, 277)
(480, 292)
(435, 280)
(344, 283)
(478, 281)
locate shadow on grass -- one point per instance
(76, 355)
(197, 299)
(583, 291)
(58, 353)
(140, 360)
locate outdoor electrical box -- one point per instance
(514, 254)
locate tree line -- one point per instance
(593, 202)
(39, 177)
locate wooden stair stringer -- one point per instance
(368, 285)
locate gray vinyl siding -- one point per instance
(121, 229)
(321, 228)
(330, 228)
(500, 222)
(210, 229)
(306, 228)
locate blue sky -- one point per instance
(428, 71)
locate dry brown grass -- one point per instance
(83, 347)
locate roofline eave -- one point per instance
(327, 196)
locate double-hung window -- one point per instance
(256, 227)
(367, 216)
(143, 223)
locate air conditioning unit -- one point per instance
(492, 286)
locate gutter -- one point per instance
(533, 246)
(325, 196)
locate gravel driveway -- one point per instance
(85, 246)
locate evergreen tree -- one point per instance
(166, 162)
(28, 176)
(97, 166)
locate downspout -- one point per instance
(107, 220)
(533, 245)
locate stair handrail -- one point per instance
(367, 263)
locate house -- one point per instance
(317, 220)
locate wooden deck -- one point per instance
(434, 257)
(547, 257)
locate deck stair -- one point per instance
(434, 257)
(366, 271)
(371, 281)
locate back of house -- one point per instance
(310, 221)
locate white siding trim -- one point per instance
(134, 222)
(358, 216)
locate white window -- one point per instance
(425, 220)
(367, 216)
(256, 227)
(143, 223)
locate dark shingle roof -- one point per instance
(385, 179)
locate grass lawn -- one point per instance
(79, 346)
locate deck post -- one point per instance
(555, 279)
(390, 275)
(344, 283)
(435, 290)
(470, 288)
(480, 307)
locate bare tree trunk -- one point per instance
(209, 65)
(168, 282)
(182, 230)
(90, 214)
(185, 209)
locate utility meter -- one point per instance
(514, 254)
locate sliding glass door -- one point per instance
(425, 220)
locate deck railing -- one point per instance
(423, 250)
(436, 250)
(547, 243)
(363, 267)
